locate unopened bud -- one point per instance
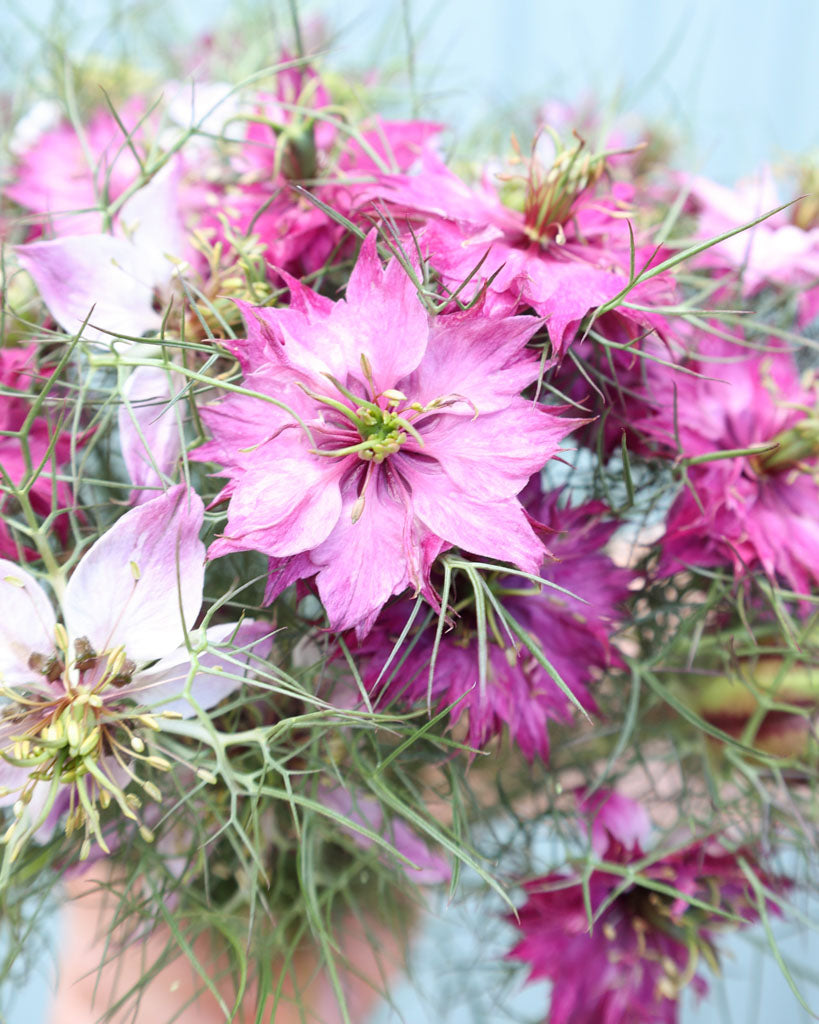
(152, 791)
(90, 742)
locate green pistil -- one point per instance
(793, 446)
(382, 431)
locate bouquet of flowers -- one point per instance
(370, 512)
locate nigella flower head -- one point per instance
(543, 238)
(81, 694)
(386, 437)
(570, 622)
(756, 510)
(625, 956)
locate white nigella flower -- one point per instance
(80, 693)
(114, 279)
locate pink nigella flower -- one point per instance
(629, 964)
(290, 139)
(775, 251)
(64, 177)
(79, 692)
(752, 510)
(45, 452)
(546, 240)
(390, 437)
(518, 692)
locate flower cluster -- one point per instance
(350, 498)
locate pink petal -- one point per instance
(283, 508)
(140, 585)
(363, 564)
(150, 428)
(470, 451)
(27, 623)
(495, 529)
(389, 325)
(480, 358)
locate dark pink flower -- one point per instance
(750, 511)
(291, 137)
(572, 629)
(775, 251)
(45, 450)
(621, 952)
(386, 436)
(67, 179)
(548, 241)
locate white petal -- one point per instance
(236, 649)
(27, 623)
(140, 584)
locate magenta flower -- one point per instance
(547, 241)
(775, 251)
(78, 692)
(749, 511)
(45, 451)
(289, 139)
(644, 943)
(573, 630)
(390, 437)
(63, 177)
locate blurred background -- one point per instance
(733, 82)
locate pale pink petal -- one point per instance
(27, 623)
(150, 428)
(98, 275)
(234, 649)
(140, 585)
(150, 220)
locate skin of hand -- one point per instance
(372, 953)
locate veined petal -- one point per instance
(140, 585)
(527, 435)
(27, 623)
(363, 563)
(497, 528)
(150, 429)
(283, 509)
(387, 323)
(98, 275)
(480, 358)
(234, 649)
